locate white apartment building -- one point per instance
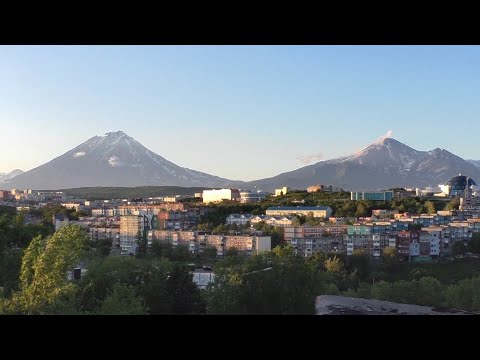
(214, 195)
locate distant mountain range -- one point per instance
(10, 175)
(116, 159)
(384, 164)
(475, 162)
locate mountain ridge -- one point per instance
(386, 163)
(118, 160)
(114, 159)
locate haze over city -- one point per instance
(210, 108)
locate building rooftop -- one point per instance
(341, 305)
(459, 182)
(311, 208)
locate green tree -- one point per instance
(474, 243)
(313, 221)
(277, 235)
(430, 207)
(185, 294)
(317, 260)
(208, 255)
(296, 221)
(361, 210)
(221, 229)
(458, 248)
(278, 282)
(181, 253)
(389, 260)
(453, 204)
(102, 247)
(122, 301)
(10, 264)
(157, 299)
(430, 292)
(333, 265)
(417, 274)
(145, 276)
(44, 267)
(161, 249)
(464, 295)
(359, 261)
(142, 243)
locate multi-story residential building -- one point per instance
(76, 206)
(316, 211)
(247, 244)
(133, 227)
(371, 244)
(149, 209)
(291, 232)
(197, 241)
(178, 220)
(6, 195)
(54, 196)
(105, 233)
(212, 196)
(372, 195)
(105, 212)
(188, 238)
(404, 239)
(306, 240)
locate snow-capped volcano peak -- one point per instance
(386, 153)
(115, 134)
(382, 164)
(114, 159)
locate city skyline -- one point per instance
(208, 107)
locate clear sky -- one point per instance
(240, 112)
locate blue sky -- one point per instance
(240, 112)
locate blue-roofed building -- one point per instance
(315, 211)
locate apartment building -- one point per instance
(150, 209)
(307, 240)
(212, 196)
(109, 212)
(132, 227)
(198, 241)
(105, 234)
